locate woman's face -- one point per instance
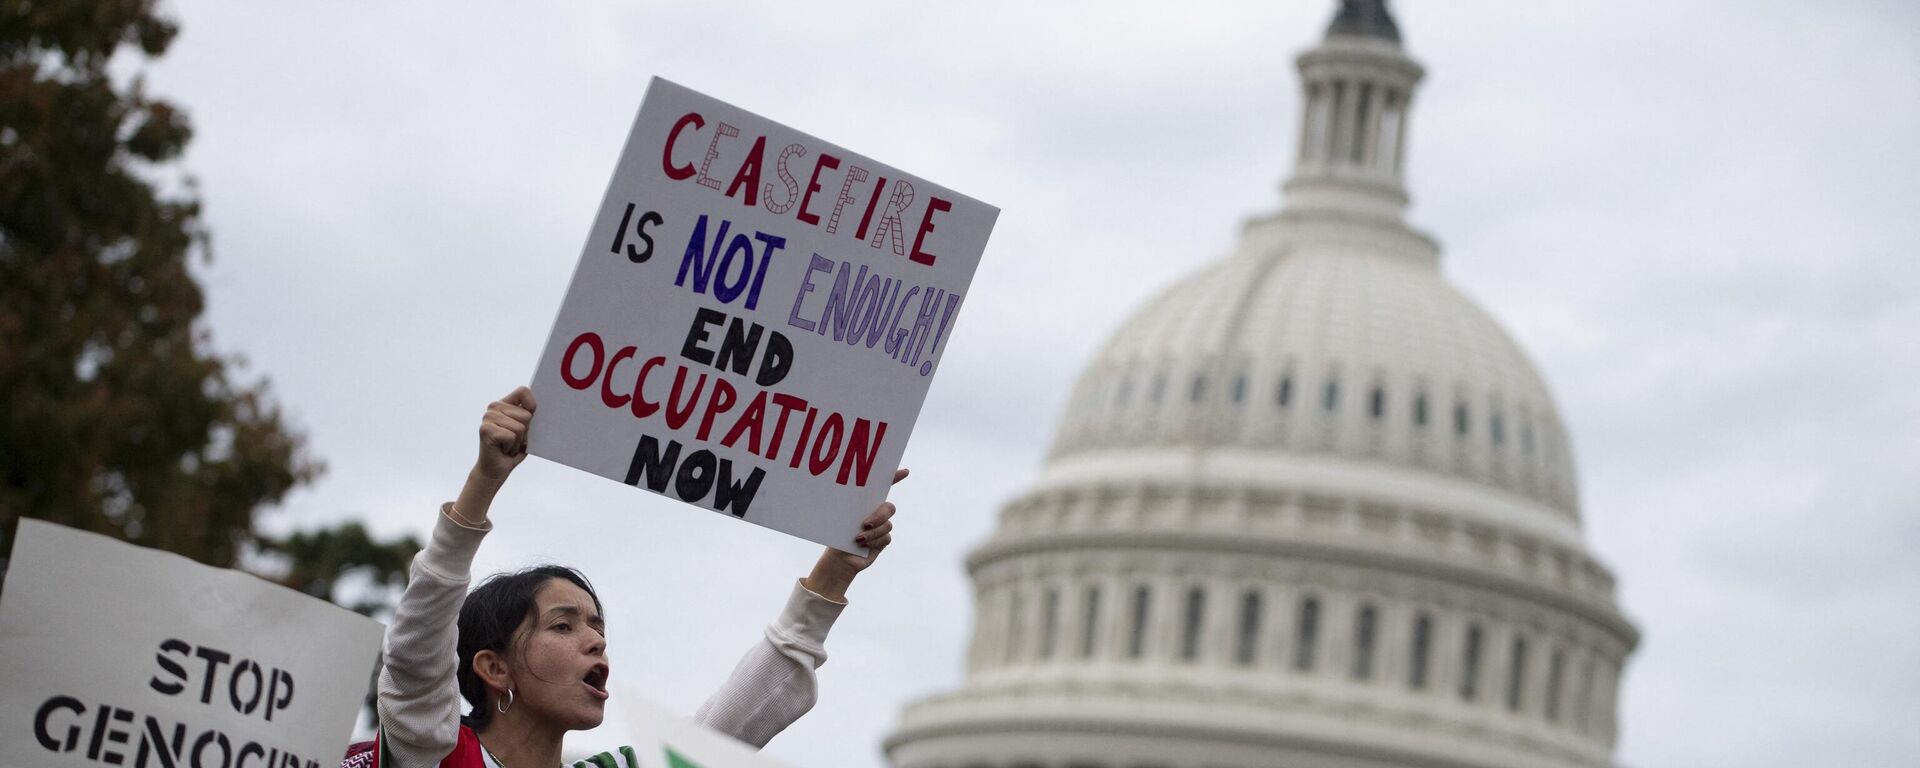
(561, 668)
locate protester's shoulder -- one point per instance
(624, 757)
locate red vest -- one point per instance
(466, 754)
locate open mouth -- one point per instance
(596, 680)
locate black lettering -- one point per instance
(169, 757)
(640, 229)
(45, 712)
(245, 706)
(171, 646)
(279, 691)
(736, 350)
(214, 660)
(695, 477)
(776, 361)
(697, 333)
(736, 495)
(208, 739)
(649, 464)
(117, 735)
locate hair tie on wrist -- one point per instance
(453, 513)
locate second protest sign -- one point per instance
(755, 319)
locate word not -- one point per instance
(266, 689)
(866, 307)
(704, 263)
(745, 185)
(61, 725)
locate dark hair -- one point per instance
(491, 619)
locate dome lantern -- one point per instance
(1357, 86)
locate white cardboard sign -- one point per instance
(755, 319)
(112, 654)
(661, 739)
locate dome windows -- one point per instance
(1196, 617)
(1461, 423)
(1247, 646)
(1283, 394)
(1090, 630)
(1470, 664)
(1330, 396)
(1239, 392)
(1137, 633)
(1308, 631)
(1556, 667)
(1421, 650)
(1517, 674)
(1198, 390)
(1049, 622)
(1364, 626)
(1377, 402)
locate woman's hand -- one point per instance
(835, 570)
(503, 435)
(503, 445)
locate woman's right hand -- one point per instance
(503, 435)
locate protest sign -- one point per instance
(661, 739)
(113, 654)
(755, 319)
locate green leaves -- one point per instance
(116, 415)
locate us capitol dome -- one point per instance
(1310, 506)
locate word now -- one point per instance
(700, 474)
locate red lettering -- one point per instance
(590, 339)
(813, 185)
(606, 384)
(860, 452)
(678, 410)
(679, 172)
(642, 408)
(717, 403)
(926, 225)
(829, 439)
(861, 233)
(749, 424)
(788, 404)
(749, 174)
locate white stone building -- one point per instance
(1310, 506)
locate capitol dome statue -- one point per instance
(1310, 506)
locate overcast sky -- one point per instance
(1699, 218)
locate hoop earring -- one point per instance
(502, 707)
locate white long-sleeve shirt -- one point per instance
(419, 701)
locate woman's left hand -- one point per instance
(836, 569)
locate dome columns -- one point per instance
(1353, 130)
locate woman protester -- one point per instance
(528, 649)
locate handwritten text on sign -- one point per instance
(755, 319)
(118, 655)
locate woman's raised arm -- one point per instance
(419, 701)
